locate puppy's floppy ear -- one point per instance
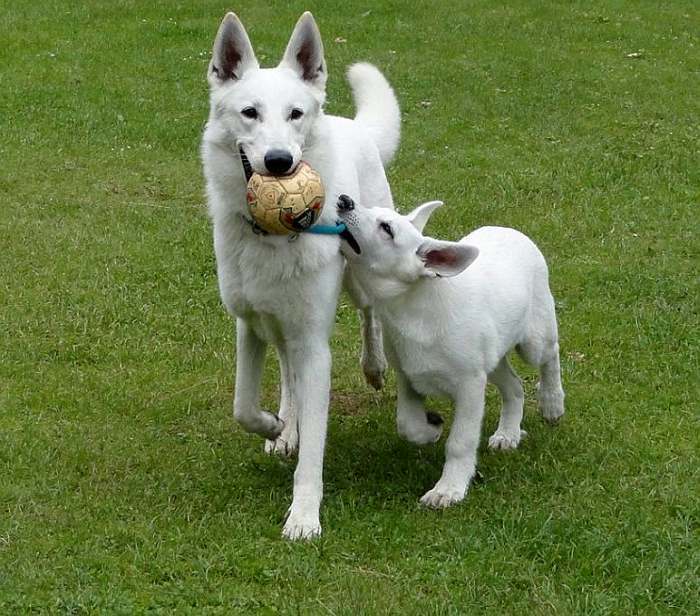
(446, 258)
(304, 53)
(233, 54)
(422, 213)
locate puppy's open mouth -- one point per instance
(349, 238)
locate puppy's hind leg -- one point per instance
(550, 393)
(508, 433)
(541, 349)
(373, 360)
(288, 441)
(250, 355)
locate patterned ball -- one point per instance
(286, 204)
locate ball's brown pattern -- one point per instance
(286, 204)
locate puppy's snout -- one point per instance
(345, 204)
(278, 161)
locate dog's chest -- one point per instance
(282, 281)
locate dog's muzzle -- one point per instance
(345, 207)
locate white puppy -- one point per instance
(281, 291)
(451, 312)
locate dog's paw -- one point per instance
(264, 423)
(301, 528)
(284, 445)
(423, 433)
(272, 427)
(502, 440)
(441, 497)
(551, 404)
(374, 377)
(373, 367)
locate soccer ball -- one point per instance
(286, 204)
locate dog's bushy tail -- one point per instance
(377, 108)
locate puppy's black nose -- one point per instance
(345, 204)
(278, 161)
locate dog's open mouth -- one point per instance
(349, 238)
(247, 167)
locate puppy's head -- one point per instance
(390, 250)
(266, 113)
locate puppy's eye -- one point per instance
(250, 112)
(386, 227)
(296, 114)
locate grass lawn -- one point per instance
(125, 486)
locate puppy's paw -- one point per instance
(503, 440)
(552, 415)
(441, 497)
(551, 404)
(422, 433)
(301, 528)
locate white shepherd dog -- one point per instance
(280, 291)
(451, 312)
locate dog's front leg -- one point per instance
(250, 355)
(413, 422)
(311, 366)
(461, 446)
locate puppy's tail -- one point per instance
(377, 108)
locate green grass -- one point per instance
(125, 486)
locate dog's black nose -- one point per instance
(278, 161)
(345, 204)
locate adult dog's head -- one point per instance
(269, 114)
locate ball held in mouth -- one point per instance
(282, 205)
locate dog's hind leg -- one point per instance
(288, 441)
(550, 393)
(508, 433)
(373, 360)
(250, 355)
(541, 349)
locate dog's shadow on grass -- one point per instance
(366, 462)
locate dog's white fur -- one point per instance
(451, 312)
(285, 292)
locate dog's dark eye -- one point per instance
(386, 227)
(296, 114)
(249, 112)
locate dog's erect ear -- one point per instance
(233, 54)
(420, 215)
(446, 258)
(304, 53)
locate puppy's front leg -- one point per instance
(413, 422)
(250, 354)
(460, 450)
(311, 366)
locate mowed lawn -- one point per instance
(126, 487)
